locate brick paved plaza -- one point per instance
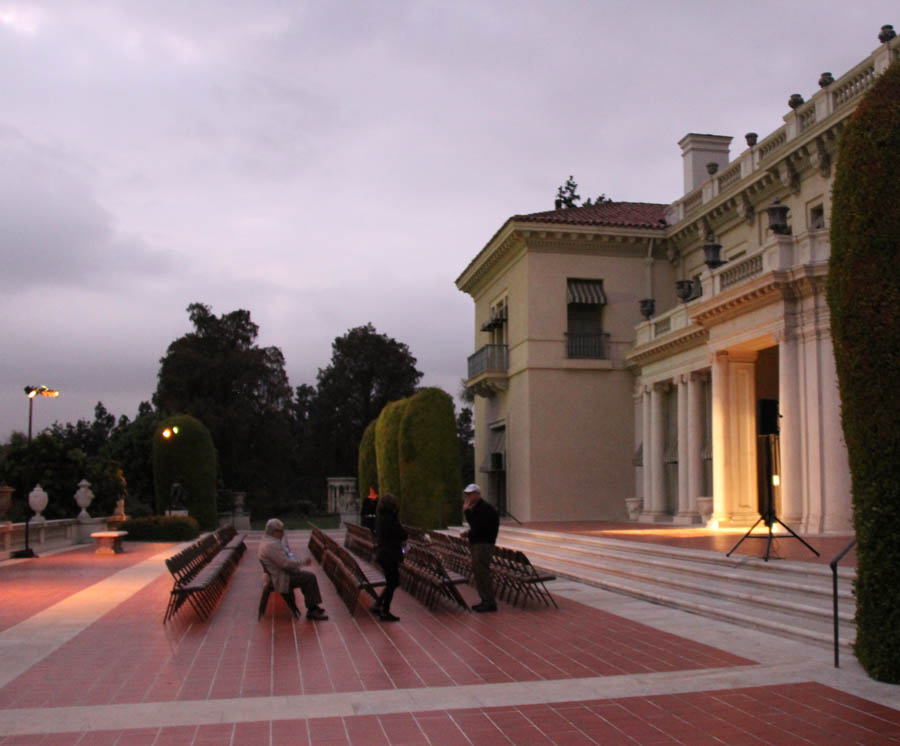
(87, 660)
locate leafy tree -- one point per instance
(240, 391)
(131, 445)
(367, 370)
(864, 299)
(567, 196)
(58, 465)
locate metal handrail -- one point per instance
(834, 579)
(505, 512)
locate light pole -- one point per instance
(33, 391)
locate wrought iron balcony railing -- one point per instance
(587, 346)
(490, 358)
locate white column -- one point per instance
(646, 448)
(743, 497)
(719, 424)
(686, 512)
(695, 436)
(657, 497)
(837, 509)
(791, 434)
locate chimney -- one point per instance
(698, 151)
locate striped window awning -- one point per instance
(497, 319)
(587, 291)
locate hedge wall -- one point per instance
(430, 468)
(864, 299)
(387, 432)
(367, 466)
(189, 457)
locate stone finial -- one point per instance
(84, 497)
(37, 501)
(712, 167)
(795, 100)
(887, 33)
(751, 138)
(826, 80)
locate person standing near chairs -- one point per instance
(389, 539)
(287, 571)
(484, 524)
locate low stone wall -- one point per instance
(45, 536)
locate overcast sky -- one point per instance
(325, 164)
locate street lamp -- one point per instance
(33, 391)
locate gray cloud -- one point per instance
(328, 164)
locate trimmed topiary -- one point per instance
(387, 455)
(430, 469)
(367, 469)
(161, 528)
(864, 299)
(183, 452)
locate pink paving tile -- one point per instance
(31, 586)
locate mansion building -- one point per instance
(671, 361)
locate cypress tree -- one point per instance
(430, 468)
(387, 430)
(368, 463)
(183, 452)
(864, 299)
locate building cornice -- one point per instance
(683, 339)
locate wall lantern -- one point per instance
(777, 213)
(684, 289)
(712, 253)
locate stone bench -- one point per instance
(109, 542)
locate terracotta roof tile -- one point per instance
(623, 214)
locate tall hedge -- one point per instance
(864, 298)
(367, 467)
(430, 468)
(189, 457)
(387, 455)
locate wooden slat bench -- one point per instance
(201, 571)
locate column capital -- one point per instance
(662, 386)
(699, 375)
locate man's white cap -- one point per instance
(472, 488)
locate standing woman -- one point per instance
(389, 539)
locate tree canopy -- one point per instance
(239, 391)
(567, 196)
(367, 370)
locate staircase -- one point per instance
(786, 598)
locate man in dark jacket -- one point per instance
(484, 523)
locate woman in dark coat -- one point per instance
(389, 539)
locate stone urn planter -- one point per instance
(84, 497)
(37, 501)
(705, 508)
(634, 505)
(6, 493)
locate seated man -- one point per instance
(286, 570)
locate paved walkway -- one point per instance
(86, 660)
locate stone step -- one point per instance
(787, 598)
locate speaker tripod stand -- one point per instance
(770, 520)
(770, 450)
